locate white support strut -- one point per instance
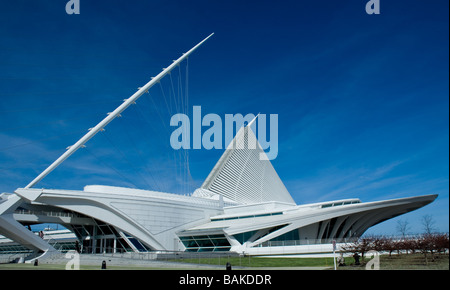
(112, 115)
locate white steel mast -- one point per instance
(112, 115)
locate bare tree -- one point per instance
(390, 245)
(403, 227)
(441, 242)
(428, 224)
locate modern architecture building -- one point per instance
(242, 206)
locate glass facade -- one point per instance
(243, 237)
(289, 236)
(104, 238)
(247, 216)
(340, 203)
(206, 243)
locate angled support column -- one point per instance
(15, 231)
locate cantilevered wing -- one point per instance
(242, 176)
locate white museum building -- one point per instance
(242, 207)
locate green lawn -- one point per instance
(253, 262)
(405, 262)
(414, 262)
(394, 262)
(263, 262)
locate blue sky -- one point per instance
(362, 99)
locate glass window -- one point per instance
(205, 243)
(243, 237)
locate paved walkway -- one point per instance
(86, 259)
(286, 268)
(119, 262)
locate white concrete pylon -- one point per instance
(100, 126)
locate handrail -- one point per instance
(48, 213)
